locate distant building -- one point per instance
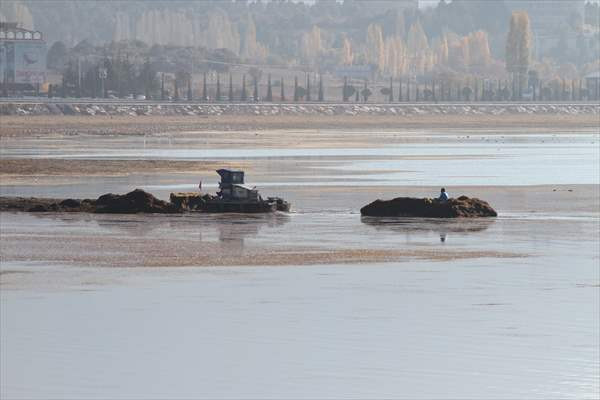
(550, 20)
(22, 57)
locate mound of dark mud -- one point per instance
(462, 207)
(36, 204)
(137, 201)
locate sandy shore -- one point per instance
(130, 125)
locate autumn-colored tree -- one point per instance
(375, 50)
(347, 57)
(310, 47)
(465, 53)
(220, 32)
(396, 60)
(479, 49)
(518, 49)
(442, 51)
(250, 48)
(417, 48)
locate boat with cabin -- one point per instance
(234, 196)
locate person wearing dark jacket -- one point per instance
(443, 196)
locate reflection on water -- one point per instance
(234, 229)
(414, 226)
(228, 229)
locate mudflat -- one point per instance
(139, 125)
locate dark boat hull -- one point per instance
(238, 207)
(214, 204)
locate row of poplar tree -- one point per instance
(400, 90)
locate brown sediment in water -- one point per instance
(151, 252)
(54, 171)
(75, 167)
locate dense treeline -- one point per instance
(454, 43)
(461, 35)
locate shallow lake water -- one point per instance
(519, 319)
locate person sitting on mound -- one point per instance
(443, 196)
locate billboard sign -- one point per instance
(30, 62)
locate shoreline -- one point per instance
(52, 125)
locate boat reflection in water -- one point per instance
(226, 230)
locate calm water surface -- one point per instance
(491, 327)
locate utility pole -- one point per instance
(79, 76)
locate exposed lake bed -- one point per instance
(316, 303)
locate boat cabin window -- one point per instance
(237, 177)
(231, 177)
